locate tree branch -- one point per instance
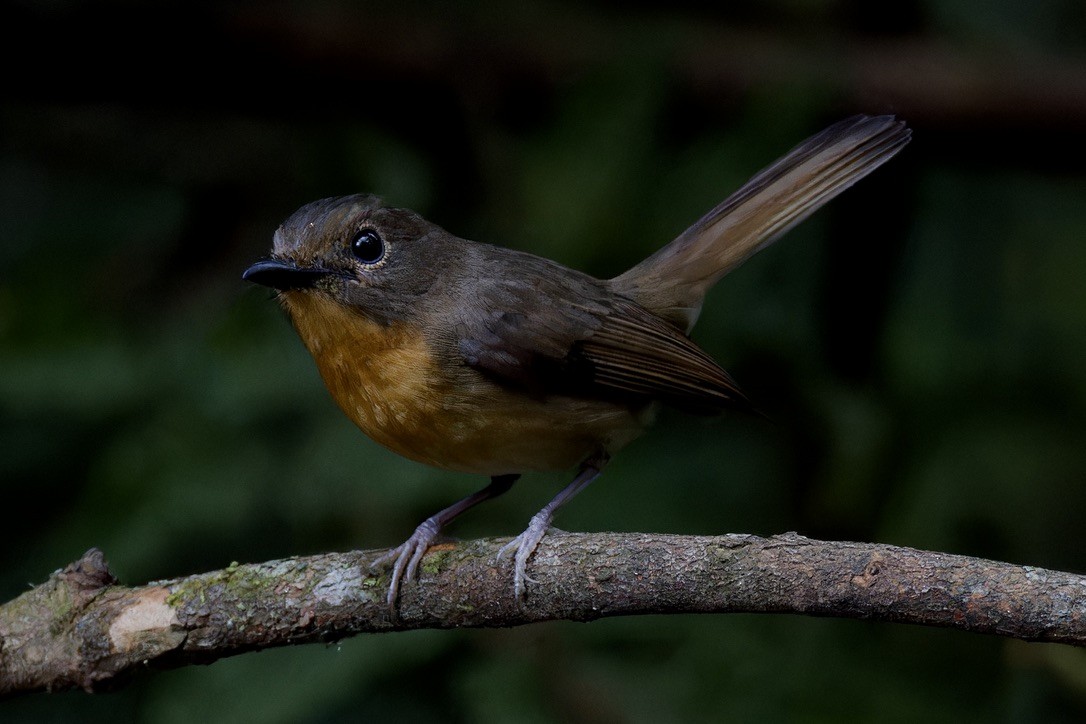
(81, 629)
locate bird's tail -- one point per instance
(673, 281)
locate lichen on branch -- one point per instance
(81, 629)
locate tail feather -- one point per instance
(673, 281)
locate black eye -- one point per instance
(367, 246)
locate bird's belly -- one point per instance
(389, 383)
(509, 432)
(491, 430)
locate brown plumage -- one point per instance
(482, 359)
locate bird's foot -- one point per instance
(521, 549)
(406, 558)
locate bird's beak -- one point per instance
(283, 275)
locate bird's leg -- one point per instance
(525, 544)
(408, 555)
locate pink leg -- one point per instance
(525, 544)
(409, 554)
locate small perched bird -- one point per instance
(481, 359)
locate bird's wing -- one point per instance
(567, 333)
(636, 352)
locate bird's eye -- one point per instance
(367, 246)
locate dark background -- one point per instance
(920, 344)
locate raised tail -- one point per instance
(673, 281)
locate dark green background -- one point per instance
(920, 345)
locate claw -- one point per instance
(521, 548)
(525, 544)
(406, 558)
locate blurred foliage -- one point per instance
(920, 345)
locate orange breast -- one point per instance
(389, 382)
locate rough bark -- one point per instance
(82, 629)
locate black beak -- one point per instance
(283, 275)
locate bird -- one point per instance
(483, 359)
